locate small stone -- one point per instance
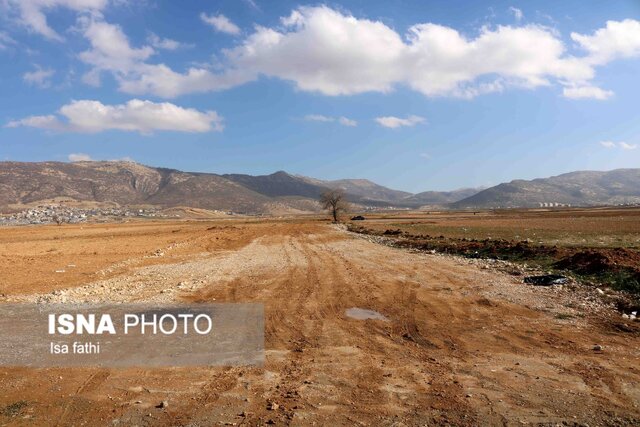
(272, 406)
(600, 291)
(469, 395)
(163, 404)
(597, 347)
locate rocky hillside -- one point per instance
(128, 183)
(125, 183)
(584, 188)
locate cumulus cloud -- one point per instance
(220, 23)
(582, 92)
(353, 55)
(110, 50)
(619, 39)
(396, 122)
(145, 117)
(623, 145)
(31, 13)
(326, 119)
(40, 77)
(79, 157)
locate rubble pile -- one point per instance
(57, 214)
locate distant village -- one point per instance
(554, 205)
(56, 214)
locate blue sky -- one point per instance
(415, 95)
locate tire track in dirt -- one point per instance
(460, 345)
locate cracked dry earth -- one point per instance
(460, 345)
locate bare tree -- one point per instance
(335, 201)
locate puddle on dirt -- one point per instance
(363, 314)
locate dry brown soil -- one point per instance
(462, 345)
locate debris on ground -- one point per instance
(546, 280)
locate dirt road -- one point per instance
(460, 344)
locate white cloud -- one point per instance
(396, 122)
(326, 119)
(79, 157)
(31, 13)
(164, 43)
(619, 39)
(135, 116)
(110, 50)
(352, 55)
(221, 23)
(517, 13)
(43, 122)
(425, 156)
(587, 92)
(40, 77)
(347, 122)
(622, 145)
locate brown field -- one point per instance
(607, 228)
(463, 344)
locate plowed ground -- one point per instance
(462, 345)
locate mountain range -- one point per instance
(128, 183)
(582, 188)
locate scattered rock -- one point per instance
(597, 347)
(272, 406)
(163, 404)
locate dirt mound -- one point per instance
(601, 260)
